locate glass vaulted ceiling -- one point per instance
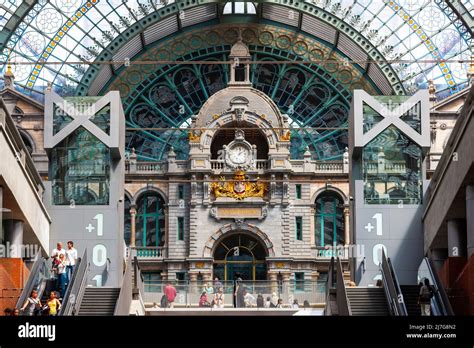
(77, 30)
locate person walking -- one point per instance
(217, 284)
(71, 260)
(240, 294)
(32, 305)
(54, 305)
(260, 301)
(424, 299)
(170, 292)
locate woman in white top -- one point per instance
(62, 276)
(274, 299)
(219, 299)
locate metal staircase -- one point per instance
(367, 301)
(99, 301)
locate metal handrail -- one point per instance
(73, 298)
(67, 295)
(329, 286)
(343, 307)
(392, 289)
(30, 283)
(440, 294)
(125, 297)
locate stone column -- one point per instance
(470, 219)
(273, 280)
(167, 235)
(456, 238)
(133, 213)
(346, 226)
(14, 238)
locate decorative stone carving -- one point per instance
(239, 187)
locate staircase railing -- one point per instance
(392, 288)
(341, 294)
(124, 300)
(330, 284)
(138, 283)
(440, 303)
(39, 272)
(76, 287)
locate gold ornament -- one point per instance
(286, 136)
(239, 188)
(194, 138)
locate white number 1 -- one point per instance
(378, 220)
(100, 224)
(98, 280)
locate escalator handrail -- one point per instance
(392, 287)
(329, 285)
(75, 288)
(70, 286)
(343, 307)
(440, 293)
(403, 306)
(30, 283)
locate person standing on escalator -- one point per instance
(71, 259)
(424, 299)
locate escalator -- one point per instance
(389, 299)
(410, 297)
(403, 299)
(39, 279)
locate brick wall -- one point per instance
(457, 275)
(13, 276)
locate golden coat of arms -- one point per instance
(239, 187)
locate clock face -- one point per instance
(239, 154)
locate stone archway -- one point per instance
(233, 228)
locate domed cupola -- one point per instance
(240, 71)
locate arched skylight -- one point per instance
(59, 31)
(239, 7)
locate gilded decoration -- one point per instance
(286, 136)
(239, 187)
(193, 137)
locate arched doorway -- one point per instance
(240, 255)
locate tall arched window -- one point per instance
(127, 220)
(150, 220)
(329, 219)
